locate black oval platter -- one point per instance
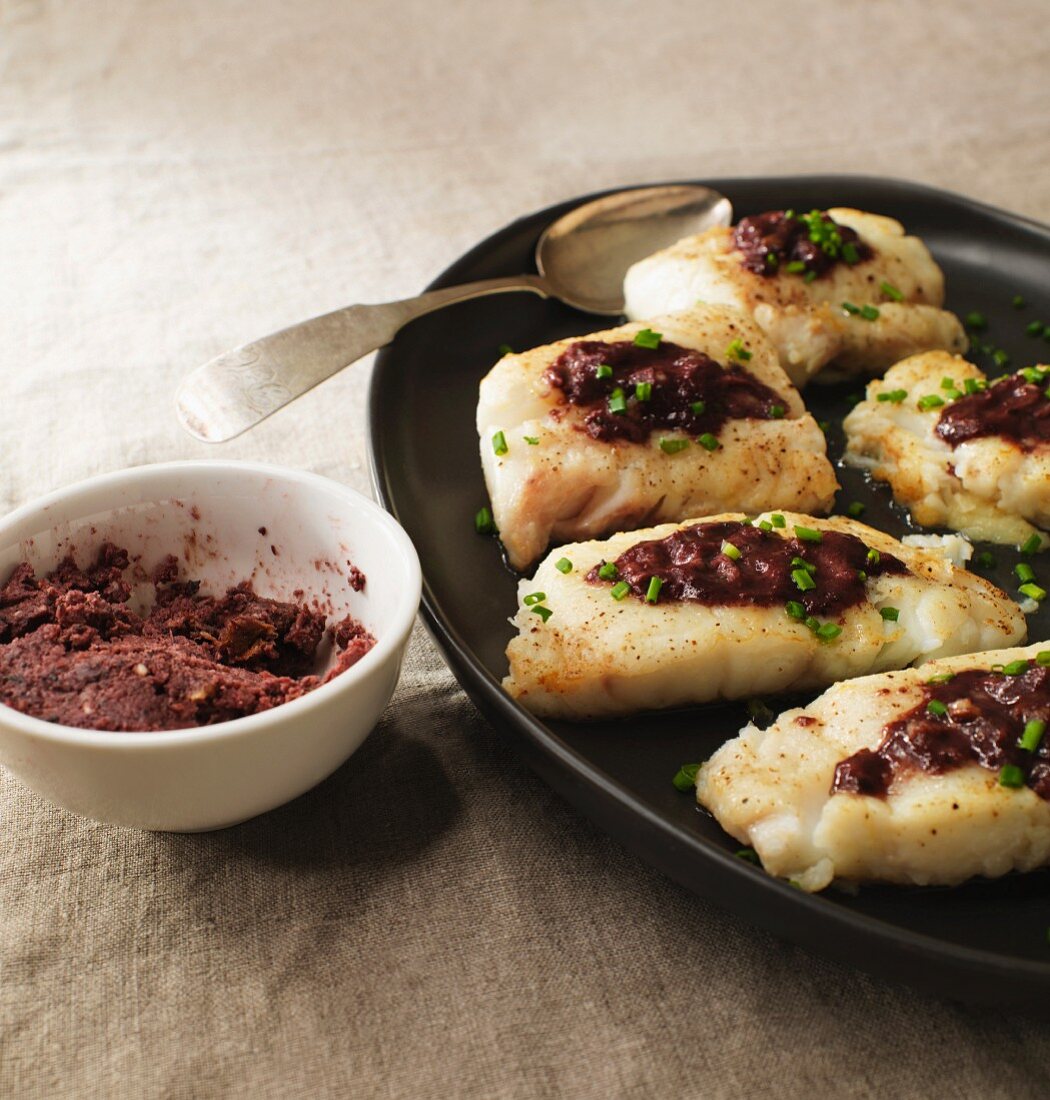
(986, 942)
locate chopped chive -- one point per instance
(532, 440)
(869, 313)
(895, 396)
(809, 276)
(1024, 572)
(1042, 658)
(759, 713)
(544, 612)
(972, 385)
(619, 590)
(604, 371)
(685, 777)
(778, 520)
(1035, 328)
(698, 408)
(975, 321)
(850, 253)
(1033, 592)
(534, 598)
(499, 443)
(796, 267)
(648, 339)
(856, 509)
(776, 412)
(801, 563)
(709, 442)
(506, 349)
(935, 706)
(1030, 544)
(795, 610)
(930, 401)
(808, 534)
(673, 446)
(1015, 668)
(1018, 302)
(483, 522)
(749, 855)
(765, 525)
(1034, 729)
(873, 556)
(941, 678)
(730, 550)
(861, 575)
(653, 592)
(1011, 776)
(617, 402)
(608, 571)
(1001, 357)
(812, 623)
(828, 632)
(643, 391)
(947, 383)
(985, 560)
(890, 614)
(772, 259)
(953, 395)
(850, 308)
(891, 291)
(803, 579)
(563, 565)
(736, 350)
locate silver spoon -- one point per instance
(582, 258)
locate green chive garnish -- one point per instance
(534, 598)
(947, 383)
(617, 402)
(795, 610)
(608, 571)
(532, 440)
(809, 276)
(873, 556)
(685, 777)
(796, 267)
(856, 509)
(891, 292)
(765, 525)
(673, 446)
(776, 412)
(499, 443)
(648, 339)
(544, 612)
(808, 534)
(778, 520)
(1018, 302)
(563, 565)
(801, 563)
(653, 592)
(1035, 328)
(1030, 544)
(828, 632)
(1015, 668)
(749, 855)
(941, 678)
(709, 442)
(619, 590)
(975, 321)
(1033, 734)
(730, 550)
(850, 253)
(985, 560)
(604, 371)
(1042, 658)
(896, 396)
(483, 522)
(803, 579)
(972, 385)
(1011, 776)
(506, 349)
(1025, 572)
(850, 308)
(1001, 357)
(935, 706)
(869, 313)
(643, 391)
(930, 401)
(698, 408)
(736, 350)
(890, 614)
(1033, 592)
(759, 713)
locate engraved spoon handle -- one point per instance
(241, 387)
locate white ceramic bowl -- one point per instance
(212, 515)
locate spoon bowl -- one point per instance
(582, 259)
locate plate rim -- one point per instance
(497, 707)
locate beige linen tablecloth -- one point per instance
(432, 921)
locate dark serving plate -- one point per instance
(984, 942)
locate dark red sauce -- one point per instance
(72, 650)
(678, 377)
(986, 715)
(772, 241)
(1011, 407)
(692, 566)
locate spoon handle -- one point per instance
(241, 387)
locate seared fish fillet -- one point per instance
(805, 320)
(773, 789)
(580, 653)
(566, 484)
(989, 487)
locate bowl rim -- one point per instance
(389, 645)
